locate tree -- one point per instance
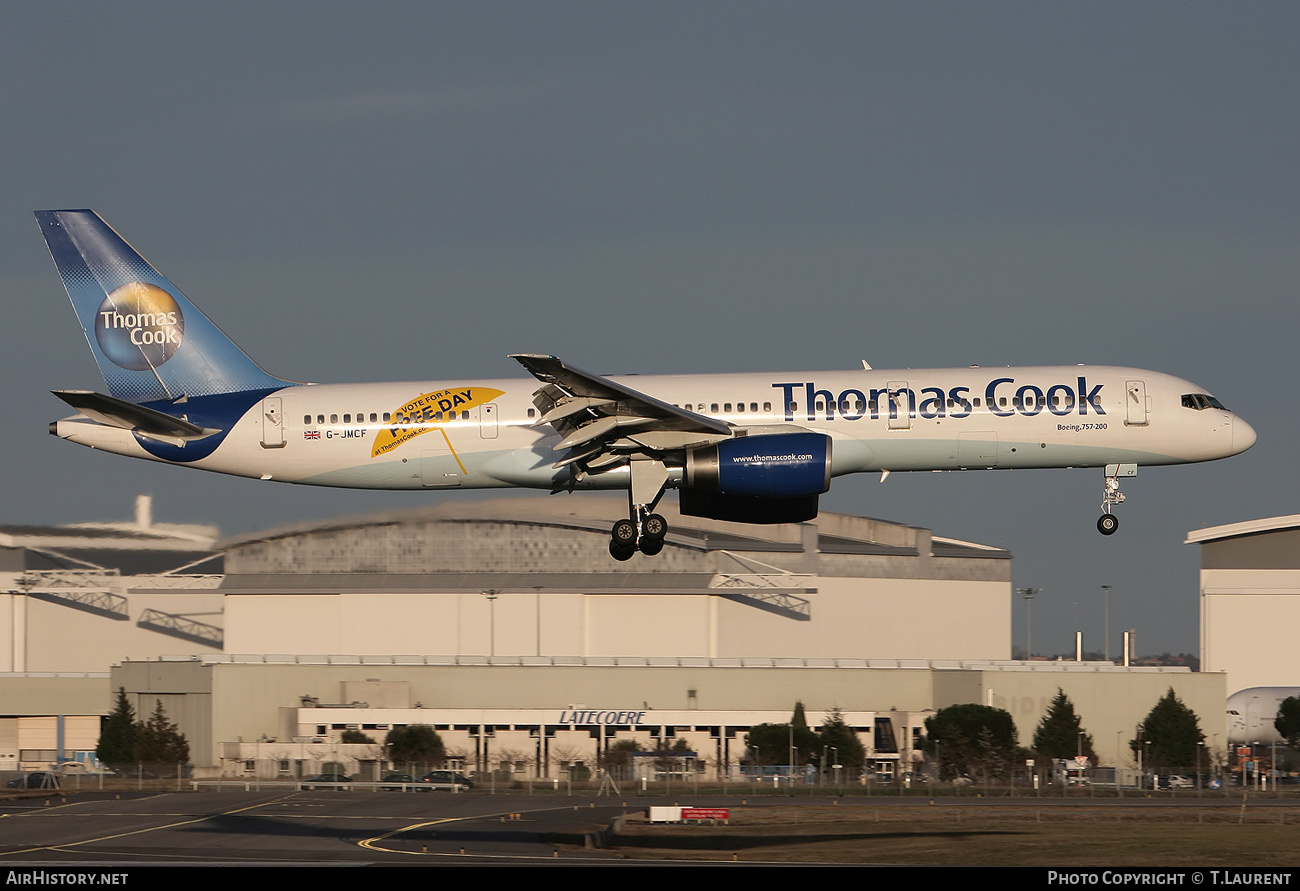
(414, 743)
(770, 744)
(1060, 733)
(1287, 721)
(159, 741)
(618, 758)
(838, 735)
(794, 743)
(117, 734)
(1169, 735)
(565, 756)
(670, 758)
(971, 738)
(356, 736)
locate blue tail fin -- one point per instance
(151, 343)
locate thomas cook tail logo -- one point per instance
(139, 326)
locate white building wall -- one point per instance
(879, 619)
(1249, 619)
(845, 618)
(35, 634)
(717, 737)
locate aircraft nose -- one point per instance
(1243, 435)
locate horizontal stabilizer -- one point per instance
(136, 418)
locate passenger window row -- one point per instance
(725, 407)
(347, 419)
(388, 417)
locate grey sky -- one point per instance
(412, 191)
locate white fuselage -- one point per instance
(480, 434)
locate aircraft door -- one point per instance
(441, 467)
(1135, 404)
(977, 449)
(487, 421)
(899, 405)
(272, 423)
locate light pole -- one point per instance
(491, 594)
(1215, 767)
(1140, 743)
(1200, 746)
(1105, 596)
(1029, 594)
(1119, 787)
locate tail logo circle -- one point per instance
(139, 326)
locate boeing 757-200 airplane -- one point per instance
(754, 448)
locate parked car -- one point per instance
(396, 782)
(1178, 782)
(446, 779)
(39, 780)
(326, 780)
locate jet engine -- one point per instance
(769, 478)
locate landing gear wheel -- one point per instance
(654, 527)
(624, 535)
(1107, 524)
(620, 552)
(651, 546)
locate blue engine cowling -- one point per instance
(777, 465)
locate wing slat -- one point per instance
(605, 423)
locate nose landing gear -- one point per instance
(1111, 496)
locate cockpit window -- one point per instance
(1202, 401)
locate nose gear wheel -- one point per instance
(1107, 523)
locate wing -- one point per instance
(603, 423)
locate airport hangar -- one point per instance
(505, 624)
(1250, 601)
(74, 600)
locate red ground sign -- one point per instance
(706, 813)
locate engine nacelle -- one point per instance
(777, 465)
(747, 508)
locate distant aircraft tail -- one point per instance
(151, 343)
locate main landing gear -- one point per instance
(644, 530)
(645, 534)
(1107, 523)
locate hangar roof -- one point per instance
(1237, 530)
(131, 548)
(544, 543)
(838, 533)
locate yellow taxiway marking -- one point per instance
(372, 844)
